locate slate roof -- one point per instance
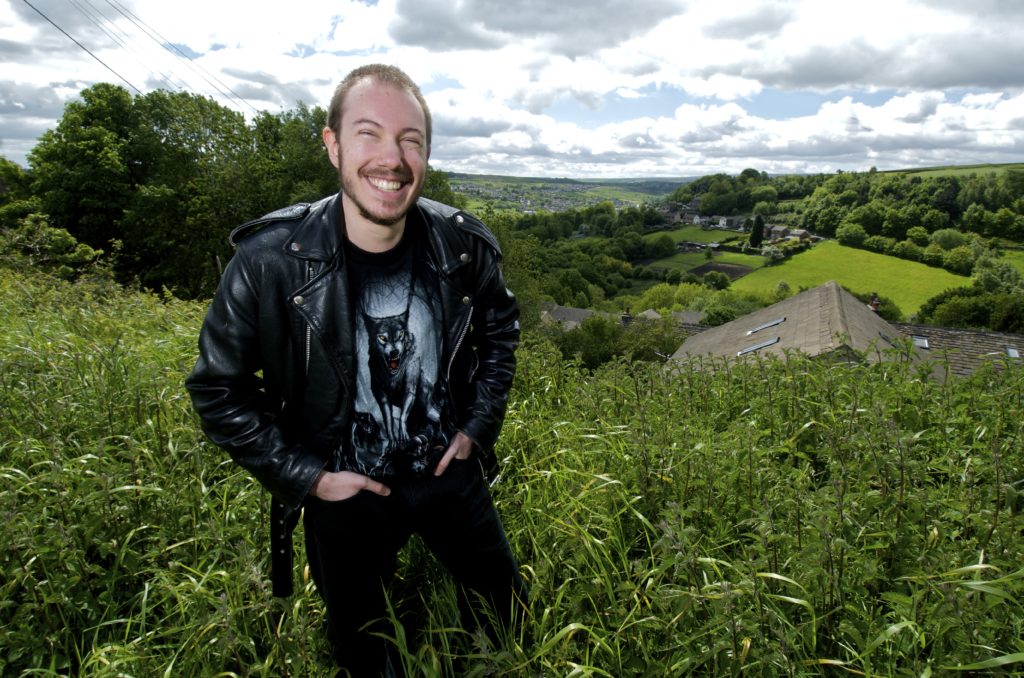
(566, 316)
(688, 317)
(649, 314)
(825, 320)
(828, 320)
(965, 350)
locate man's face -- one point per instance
(380, 151)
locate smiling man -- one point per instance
(357, 359)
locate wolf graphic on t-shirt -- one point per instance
(401, 423)
(394, 371)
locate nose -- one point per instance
(391, 153)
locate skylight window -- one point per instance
(1012, 352)
(919, 341)
(757, 347)
(773, 323)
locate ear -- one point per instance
(331, 144)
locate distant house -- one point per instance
(689, 317)
(964, 351)
(649, 314)
(567, 317)
(676, 212)
(777, 232)
(730, 223)
(800, 234)
(830, 323)
(824, 321)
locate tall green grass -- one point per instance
(770, 518)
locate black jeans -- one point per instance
(352, 547)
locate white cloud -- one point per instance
(668, 87)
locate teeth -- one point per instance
(385, 185)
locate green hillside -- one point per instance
(698, 234)
(959, 170)
(776, 519)
(907, 283)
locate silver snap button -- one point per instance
(300, 300)
(459, 218)
(296, 247)
(465, 301)
(464, 257)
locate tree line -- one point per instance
(146, 188)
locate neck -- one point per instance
(367, 235)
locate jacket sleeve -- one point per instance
(495, 335)
(229, 395)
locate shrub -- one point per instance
(851, 234)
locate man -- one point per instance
(357, 359)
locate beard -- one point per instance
(350, 187)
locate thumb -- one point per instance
(377, 487)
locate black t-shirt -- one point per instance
(402, 422)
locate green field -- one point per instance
(621, 193)
(907, 283)
(962, 170)
(687, 261)
(696, 234)
(1015, 257)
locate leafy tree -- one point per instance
(933, 255)
(871, 216)
(205, 178)
(959, 260)
(718, 314)
(757, 232)
(948, 238)
(851, 234)
(15, 183)
(717, 280)
(773, 253)
(594, 341)
(660, 246)
(907, 249)
(33, 245)
(650, 340)
(880, 243)
(995, 275)
(782, 290)
(918, 235)
(84, 171)
(437, 187)
(977, 219)
(1007, 313)
(887, 308)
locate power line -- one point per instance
(103, 22)
(170, 47)
(84, 48)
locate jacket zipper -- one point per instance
(309, 328)
(458, 344)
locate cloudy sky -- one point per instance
(577, 88)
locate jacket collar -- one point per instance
(319, 236)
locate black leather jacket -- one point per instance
(274, 382)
